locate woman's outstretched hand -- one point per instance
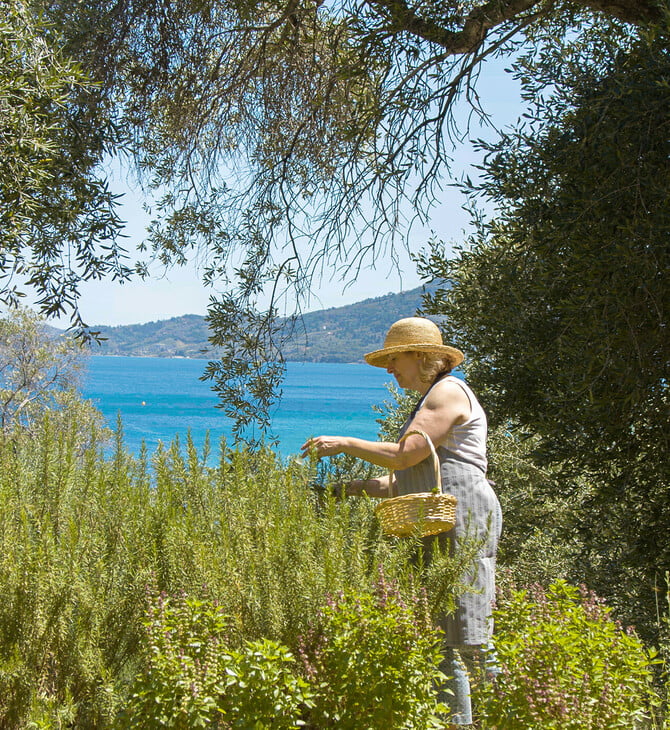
(322, 446)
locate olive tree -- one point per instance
(287, 139)
(58, 219)
(39, 369)
(562, 301)
(281, 140)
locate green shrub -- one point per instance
(84, 531)
(192, 678)
(565, 664)
(72, 574)
(373, 662)
(262, 689)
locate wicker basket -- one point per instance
(419, 514)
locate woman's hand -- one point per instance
(323, 446)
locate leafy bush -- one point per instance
(540, 542)
(72, 573)
(566, 664)
(192, 678)
(262, 690)
(83, 531)
(373, 662)
(39, 373)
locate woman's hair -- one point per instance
(431, 365)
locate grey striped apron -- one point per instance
(478, 514)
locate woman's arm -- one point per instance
(446, 405)
(375, 487)
(382, 453)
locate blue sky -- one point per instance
(179, 291)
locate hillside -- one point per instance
(339, 334)
(184, 336)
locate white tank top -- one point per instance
(467, 440)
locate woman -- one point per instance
(451, 416)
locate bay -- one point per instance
(160, 398)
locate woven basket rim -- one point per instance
(419, 496)
(401, 516)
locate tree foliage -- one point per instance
(39, 370)
(285, 140)
(58, 220)
(562, 302)
(293, 137)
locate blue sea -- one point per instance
(159, 398)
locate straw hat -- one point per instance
(413, 334)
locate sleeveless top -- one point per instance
(467, 441)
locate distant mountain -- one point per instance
(339, 334)
(184, 336)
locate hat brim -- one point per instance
(379, 358)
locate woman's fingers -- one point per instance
(311, 447)
(321, 446)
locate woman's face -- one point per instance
(404, 366)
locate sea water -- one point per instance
(160, 398)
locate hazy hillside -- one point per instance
(339, 334)
(177, 337)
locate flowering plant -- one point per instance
(372, 662)
(565, 663)
(193, 678)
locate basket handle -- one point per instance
(436, 460)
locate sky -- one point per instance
(180, 291)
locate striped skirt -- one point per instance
(478, 516)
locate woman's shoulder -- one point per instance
(449, 384)
(448, 394)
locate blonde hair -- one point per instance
(432, 365)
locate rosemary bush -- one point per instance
(73, 563)
(84, 531)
